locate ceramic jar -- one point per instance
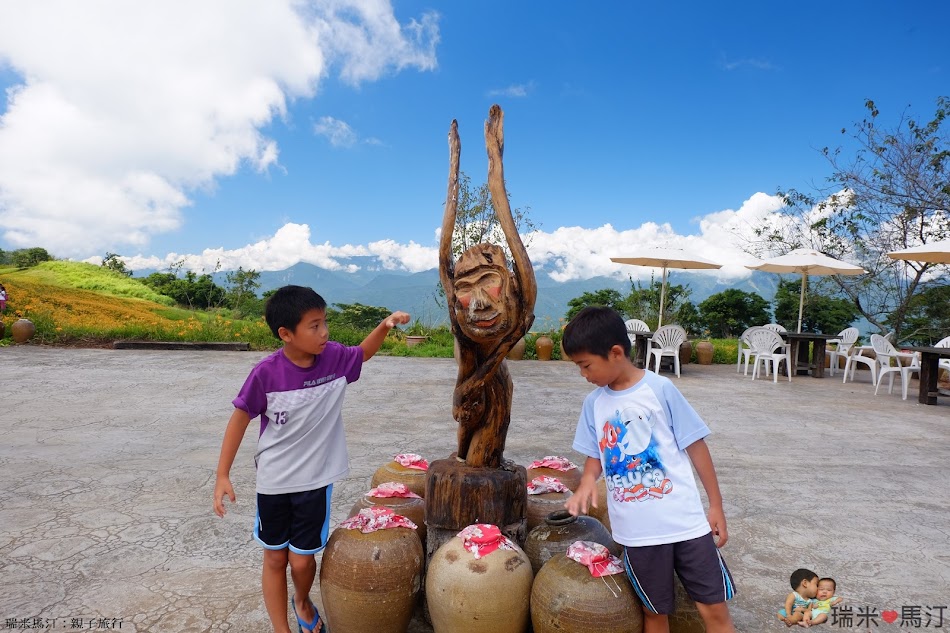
(570, 478)
(371, 582)
(488, 594)
(600, 512)
(686, 352)
(413, 508)
(566, 598)
(517, 352)
(704, 353)
(414, 478)
(544, 347)
(22, 330)
(541, 505)
(558, 531)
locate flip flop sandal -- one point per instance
(311, 627)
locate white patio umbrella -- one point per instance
(661, 257)
(807, 261)
(934, 253)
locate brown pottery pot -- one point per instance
(544, 346)
(704, 353)
(517, 352)
(414, 478)
(371, 582)
(558, 531)
(566, 598)
(686, 352)
(490, 594)
(570, 478)
(22, 330)
(540, 506)
(413, 508)
(600, 512)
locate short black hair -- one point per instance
(595, 330)
(286, 307)
(801, 575)
(831, 580)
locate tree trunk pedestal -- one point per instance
(458, 495)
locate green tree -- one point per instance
(821, 312)
(927, 319)
(357, 315)
(27, 257)
(242, 288)
(728, 313)
(643, 303)
(892, 192)
(476, 222)
(112, 262)
(193, 291)
(604, 297)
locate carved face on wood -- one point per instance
(485, 290)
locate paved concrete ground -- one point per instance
(108, 458)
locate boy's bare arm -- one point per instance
(374, 339)
(586, 494)
(229, 448)
(702, 461)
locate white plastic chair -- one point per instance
(944, 362)
(744, 351)
(775, 327)
(885, 352)
(767, 346)
(843, 344)
(666, 341)
(635, 325)
(857, 356)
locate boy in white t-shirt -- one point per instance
(301, 450)
(639, 430)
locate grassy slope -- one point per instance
(74, 303)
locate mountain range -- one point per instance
(418, 293)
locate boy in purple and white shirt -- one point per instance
(301, 450)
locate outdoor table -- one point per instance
(642, 344)
(805, 359)
(929, 358)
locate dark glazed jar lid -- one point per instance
(560, 517)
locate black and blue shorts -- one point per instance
(698, 564)
(298, 520)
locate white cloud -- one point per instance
(126, 108)
(512, 91)
(338, 132)
(568, 253)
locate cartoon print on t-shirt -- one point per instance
(633, 469)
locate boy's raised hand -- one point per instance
(397, 318)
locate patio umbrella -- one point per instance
(934, 253)
(807, 261)
(660, 257)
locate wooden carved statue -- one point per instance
(490, 308)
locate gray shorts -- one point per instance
(698, 564)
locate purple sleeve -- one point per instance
(352, 363)
(251, 397)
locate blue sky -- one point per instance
(270, 132)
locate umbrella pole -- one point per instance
(662, 299)
(801, 302)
